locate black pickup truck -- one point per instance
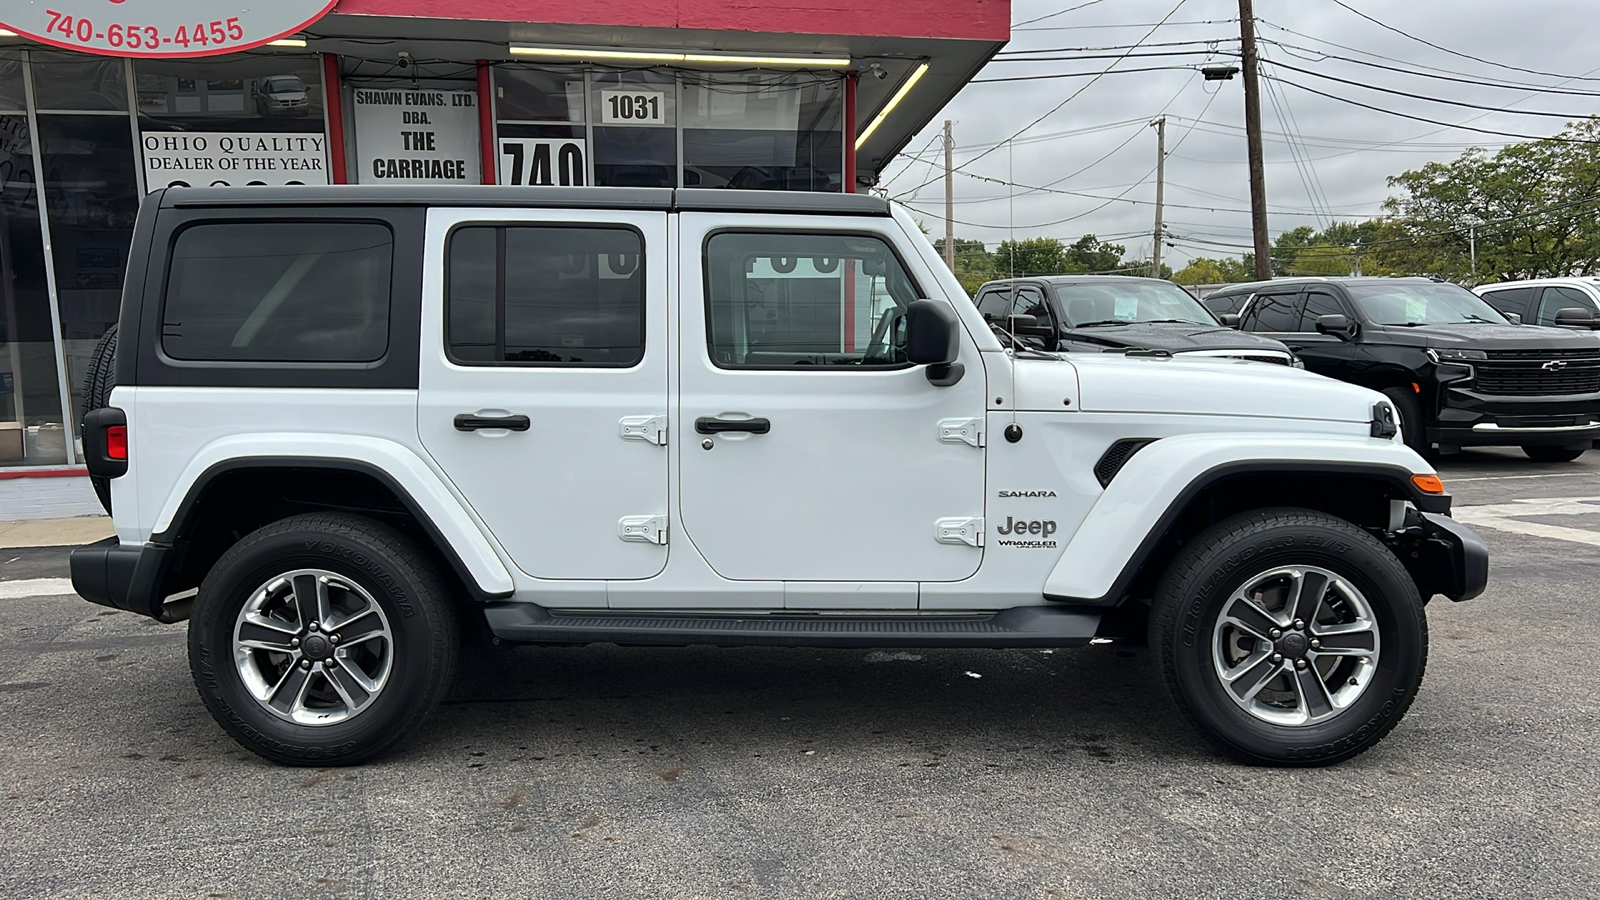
(1459, 372)
(1115, 313)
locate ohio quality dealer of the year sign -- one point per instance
(158, 27)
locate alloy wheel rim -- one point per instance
(312, 647)
(1295, 645)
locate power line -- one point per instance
(1509, 134)
(1400, 93)
(1205, 41)
(1126, 25)
(1059, 12)
(1096, 75)
(1479, 59)
(1436, 74)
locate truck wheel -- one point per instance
(1553, 454)
(1412, 428)
(322, 639)
(1289, 637)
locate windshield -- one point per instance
(284, 84)
(1129, 302)
(1423, 304)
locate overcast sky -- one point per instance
(1342, 168)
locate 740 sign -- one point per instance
(158, 27)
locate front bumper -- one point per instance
(1471, 419)
(1451, 560)
(121, 576)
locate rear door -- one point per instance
(543, 388)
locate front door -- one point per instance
(543, 389)
(810, 449)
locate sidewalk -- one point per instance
(47, 498)
(54, 532)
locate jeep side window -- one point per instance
(1278, 313)
(553, 295)
(805, 299)
(1556, 299)
(302, 291)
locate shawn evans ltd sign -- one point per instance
(417, 136)
(158, 27)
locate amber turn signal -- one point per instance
(1428, 484)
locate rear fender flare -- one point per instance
(425, 493)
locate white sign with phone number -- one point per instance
(156, 28)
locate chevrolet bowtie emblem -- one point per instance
(1554, 365)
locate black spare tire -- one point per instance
(97, 384)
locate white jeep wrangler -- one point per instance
(350, 424)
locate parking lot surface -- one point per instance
(615, 772)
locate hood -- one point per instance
(1169, 336)
(1177, 386)
(1484, 337)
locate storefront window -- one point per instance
(244, 120)
(763, 132)
(92, 197)
(635, 128)
(12, 96)
(78, 81)
(31, 431)
(540, 114)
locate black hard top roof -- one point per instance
(1075, 279)
(664, 199)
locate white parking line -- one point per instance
(1508, 517)
(35, 587)
(1453, 479)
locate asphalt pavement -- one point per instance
(614, 772)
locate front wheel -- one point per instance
(322, 639)
(1553, 454)
(1289, 637)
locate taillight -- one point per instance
(117, 442)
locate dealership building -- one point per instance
(795, 95)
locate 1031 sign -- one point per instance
(633, 107)
(542, 163)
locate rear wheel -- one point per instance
(1553, 454)
(1289, 637)
(1409, 408)
(322, 639)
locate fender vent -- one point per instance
(1116, 456)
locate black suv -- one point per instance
(1447, 359)
(1108, 313)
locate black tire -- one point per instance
(97, 384)
(417, 612)
(1228, 557)
(1412, 428)
(1553, 454)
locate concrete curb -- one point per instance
(55, 532)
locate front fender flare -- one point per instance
(1149, 493)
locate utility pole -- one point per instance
(949, 199)
(1252, 129)
(1472, 247)
(1161, 179)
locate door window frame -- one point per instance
(705, 279)
(1298, 294)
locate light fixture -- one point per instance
(666, 56)
(894, 101)
(287, 42)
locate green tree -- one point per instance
(1534, 206)
(1090, 254)
(1031, 256)
(974, 263)
(1199, 271)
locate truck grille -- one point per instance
(1539, 372)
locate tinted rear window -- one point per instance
(279, 292)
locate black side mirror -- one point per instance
(1574, 317)
(1029, 326)
(1337, 325)
(1229, 320)
(933, 339)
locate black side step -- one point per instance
(1022, 626)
